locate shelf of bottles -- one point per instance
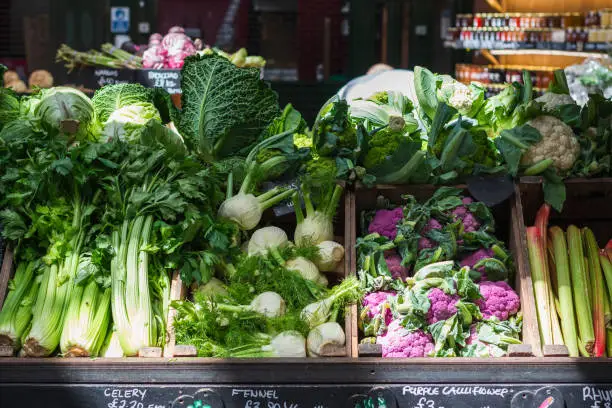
(494, 77)
(580, 32)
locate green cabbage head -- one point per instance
(126, 123)
(66, 110)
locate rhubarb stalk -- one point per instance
(606, 266)
(597, 291)
(564, 290)
(537, 263)
(580, 291)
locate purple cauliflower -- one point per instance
(399, 342)
(373, 302)
(426, 243)
(442, 306)
(499, 300)
(473, 258)
(385, 222)
(470, 222)
(394, 263)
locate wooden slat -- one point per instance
(524, 285)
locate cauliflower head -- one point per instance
(442, 306)
(469, 221)
(372, 301)
(498, 299)
(394, 263)
(553, 100)
(424, 242)
(382, 145)
(558, 143)
(399, 342)
(385, 222)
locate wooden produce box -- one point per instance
(342, 235)
(588, 204)
(178, 291)
(505, 215)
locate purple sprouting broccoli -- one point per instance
(470, 222)
(394, 263)
(442, 306)
(426, 243)
(373, 301)
(399, 342)
(385, 222)
(498, 299)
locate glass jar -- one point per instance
(478, 21)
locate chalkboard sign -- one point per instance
(168, 79)
(95, 78)
(309, 396)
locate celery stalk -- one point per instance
(597, 291)
(540, 285)
(564, 290)
(580, 289)
(17, 310)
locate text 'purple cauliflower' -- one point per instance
(499, 300)
(385, 222)
(394, 263)
(470, 222)
(442, 306)
(426, 243)
(399, 342)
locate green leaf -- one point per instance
(156, 135)
(514, 142)
(63, 166)
(224, 108)
(554, 189)
(425, 87)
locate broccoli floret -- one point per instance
(302, 140)
(381, 98)
(381, 145)
(321, 168)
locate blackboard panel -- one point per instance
(311, 396)
(168, 79)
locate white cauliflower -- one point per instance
(456, 94)
(558, 143)
(553, 100)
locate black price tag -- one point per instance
(491, 190)
(168, 79)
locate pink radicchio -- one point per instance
(377, 304)
(155, 37)
(426, 243)
(399, 342)
(442, 306)
(152, 58)
(385, 222)
(394, 263)
(177, 43)
(498, 299)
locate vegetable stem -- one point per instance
(538, 168)
(564, 291)
(276, 199)
(540, 286)
(230, 186)
(580, 287)
(330, 211)
(248, 179)
(597, 292)
(297, 207)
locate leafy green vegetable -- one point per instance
(425, 87)
(224, 108)
(127, 122)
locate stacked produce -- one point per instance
(110, 57)
(436, 278)
(572, 281)
(104, 199)
(456, 133)
(162, 52)
(38, 79)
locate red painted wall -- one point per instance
(206, 15)
(311, 17)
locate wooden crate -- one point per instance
(342, 234)
(176, 292)
(588, 204)
(505, 215)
